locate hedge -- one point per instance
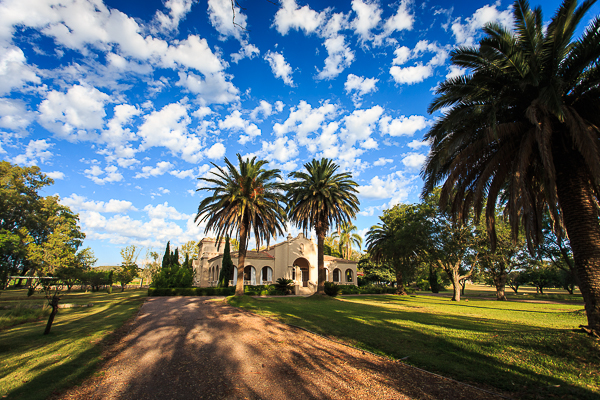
(258, 290)
(371, 289)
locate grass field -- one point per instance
(33, 366)
(527, 350)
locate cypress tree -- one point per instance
(175, 259)
(166, 262)
(227, 267)
(187, 263)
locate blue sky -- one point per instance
(126, 103)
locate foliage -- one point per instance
(244, 200)
(284, 286)
(375, 272)
(318, 199)
(11, 252)
(522, 128)
(347, 239)
(400, 240)
(22, 313)
(332, 289)
(171, 274)
(227, 266)
(190, 249)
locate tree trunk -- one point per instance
(321, 262)
(500, 283)
(239, 286)
(580, 216)
(455, 278)
(54, 305)
(399, 280)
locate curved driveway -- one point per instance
(198, 348)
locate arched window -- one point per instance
(349, 275)
(266, 275)
(250, 275)
(336, 275)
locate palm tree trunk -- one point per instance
(239, 286)
(581, 221)
(320, 262)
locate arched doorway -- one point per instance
(349, 276)
(304, 266)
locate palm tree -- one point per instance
(347, 238)
(244, 200)
(524, 127)
(319, 198)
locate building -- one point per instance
(295, 259)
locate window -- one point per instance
(336, 275)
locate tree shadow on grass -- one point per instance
(463, 347)
(61, 364)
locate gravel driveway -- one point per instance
(198, 348)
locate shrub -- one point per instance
(332, 289)
(284, 286)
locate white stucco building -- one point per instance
(295, 258)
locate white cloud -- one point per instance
(264, 108)
(360, 86)
(414, 160)
(80, 203)
(164, 211)
(14, 71)
(289, 16)
(213, 89)
(402, 55)
(236, 123)
(188, 173)
(455, 71)
(359, 125)
(222, 13)
(382, 161)
(14, 115)
(409, 75)
(339, 54)
(281, 150)
(303, 120)
(403, 126)
(55, 175)
(111, 174)
(281, 69)
(416, 145)
(160, 169)
(247, 50)
(177, 11)
(69, 115)
(36, 152)
(402, 20)
(169, 128)
(466, 33)
(215, 151)
(394, 187)
(368, 16)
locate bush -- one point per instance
(332, 289)
(284, 286)
(21, 314)
(261, 290)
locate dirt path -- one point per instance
(193, 348)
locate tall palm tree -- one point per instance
(320, 198)
(244, 200)
(524, 126)
(347, 238)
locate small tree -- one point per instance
(227, 267)
(52, 288)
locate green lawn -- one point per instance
(526, 350)
(33, 366)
